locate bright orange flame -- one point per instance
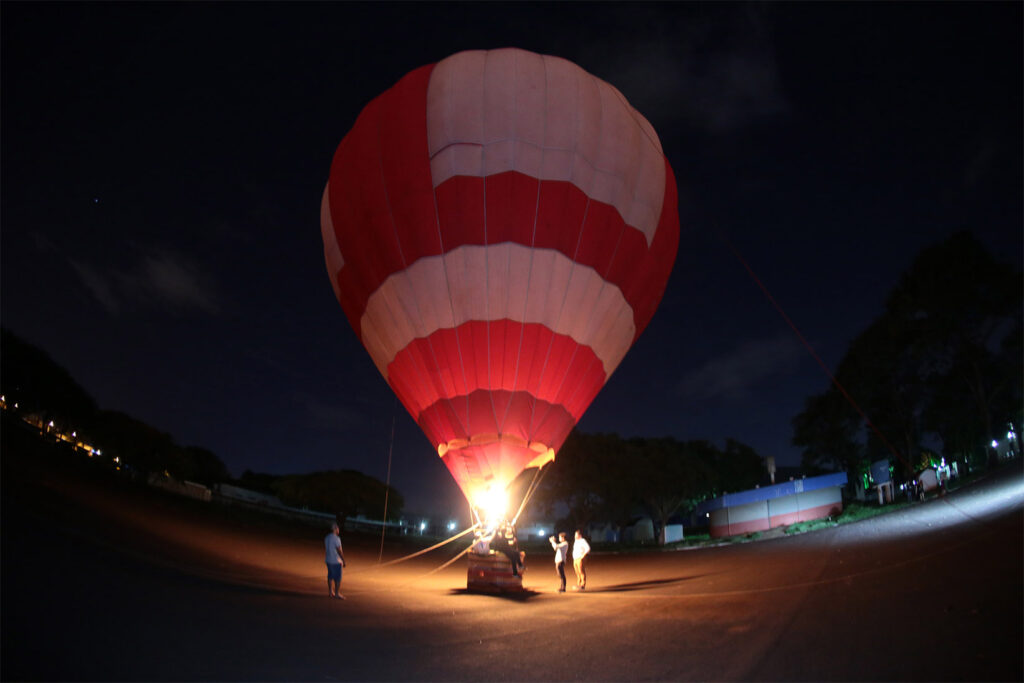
(492, 502)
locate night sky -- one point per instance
(163, 164)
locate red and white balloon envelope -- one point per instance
(499, 228)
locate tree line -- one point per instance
(605, 478)
(936, 375)
(41, 387)
(46, 390)
(343, 493)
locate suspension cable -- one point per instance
(534, 485)
(427, 550)
(387, 486)
(449, 562)
(814, 355)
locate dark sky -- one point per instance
(162, 168)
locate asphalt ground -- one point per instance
(106, 581)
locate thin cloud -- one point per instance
(733, 376)
(160, 279)
(178, 281)
(735, 90)
(332, 417)
(97, 286)
(720, 73)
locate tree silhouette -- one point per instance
(343, 493)
(29, 377)
(942, 363)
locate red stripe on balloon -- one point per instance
(649, 277)
(380, 192)
(545, 214)
(499, 355)
(516, 414)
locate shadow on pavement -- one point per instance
(515, 596)
(641, 585)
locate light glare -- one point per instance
(493, 503)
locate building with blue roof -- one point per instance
(767, 507)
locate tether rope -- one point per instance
(541, 471)
(425, 550)
(446, 564)
(387, 485)
(814, 355)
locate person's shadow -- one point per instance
(641, 585)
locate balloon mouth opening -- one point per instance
(485, 466)
(544, 453)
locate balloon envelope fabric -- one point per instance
(499, 228)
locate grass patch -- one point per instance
(854, 511)
(812, 525)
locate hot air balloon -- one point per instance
(499, 228)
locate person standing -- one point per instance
(561, 551)
(580, 550)
(335, 561)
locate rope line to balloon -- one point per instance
(449, 562)
(426, 550)
(543, 473)
(814, 355)
(436, 569)
(529, 492)
(387, 485)
(526, 496)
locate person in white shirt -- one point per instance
(561, 551)
(580, 550)
(335, 561)
(482, 545)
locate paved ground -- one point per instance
(104, 583)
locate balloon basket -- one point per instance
(492, 573)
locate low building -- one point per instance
(767, 507)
